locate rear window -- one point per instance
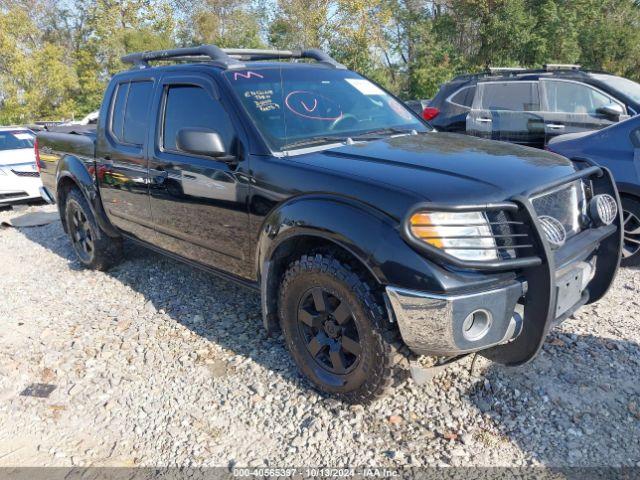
(464, 97)
(511, 96)
(131, 105)
(16, 140)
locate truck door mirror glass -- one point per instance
(200, 141)
(612, 110)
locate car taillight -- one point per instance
(429, 113)
(37, 152)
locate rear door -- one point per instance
(121, 160)
(198, 204)
(507, 111)
(570, 106)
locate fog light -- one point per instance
(553, 230)
(476, 325)
(603, 209)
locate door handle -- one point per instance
(485, 120)
(555, 126)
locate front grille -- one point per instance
(567, 204)
(25, 174)
(512, 237)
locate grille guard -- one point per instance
(539, 270)
(520, 205)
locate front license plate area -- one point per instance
(569, 290)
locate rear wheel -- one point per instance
(93, 247)
(631, 222)
(336, 330)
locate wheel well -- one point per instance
(630, 196)
(64, 187)
(294, 248)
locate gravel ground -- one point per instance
(157, 364)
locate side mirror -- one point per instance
(200, 141)
(612, 110)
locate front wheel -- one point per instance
(631, 223)
(336, 330)
(93, 247)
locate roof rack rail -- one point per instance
(561, 66)
(226, 57)
(493, 70)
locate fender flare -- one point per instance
(368, 234)
(75, 169)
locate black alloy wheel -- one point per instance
(93, 247)
(336, 328)
(331, 335)
(81, 234)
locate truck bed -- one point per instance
(60, 142)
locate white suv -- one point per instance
(19, 175)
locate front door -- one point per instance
(121, 162)
(508, 111)
(198, 203)
(572, 107)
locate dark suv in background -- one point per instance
(530, 107)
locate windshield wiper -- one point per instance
(315, 140)
(383, 132)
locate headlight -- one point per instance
(464, 235)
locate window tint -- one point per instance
(511, 96)
(119, 101)
(135, 114)
(192, 107)
(571, 97)
(464, 97)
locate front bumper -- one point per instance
(517, 316)
(435, 324)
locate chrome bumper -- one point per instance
(445, 325)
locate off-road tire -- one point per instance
(381, 357)
(92, 246)
(631, 206)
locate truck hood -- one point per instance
(445, 167)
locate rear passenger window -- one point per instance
(117, 116)
(189, 106)
(130, 112)
(511, 96)
(464, 97)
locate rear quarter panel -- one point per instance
(58, 149)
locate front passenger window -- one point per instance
(190, 106)
(573, 97)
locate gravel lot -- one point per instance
(156, 363)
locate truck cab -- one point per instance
(371, 238)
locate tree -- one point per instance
(35, 77)
(226, 23)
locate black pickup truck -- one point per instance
(371, 238)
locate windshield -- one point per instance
(625, 86)
(14, 140)
(296, 107)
